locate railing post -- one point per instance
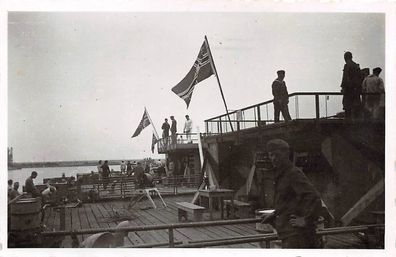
(317, 106)
(207, 127)
(258, 116)
(171, 239)
(62, 214)
(220, 126)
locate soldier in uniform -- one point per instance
(281, 97)
(297, 204)
(351, 87)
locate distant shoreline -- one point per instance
(20, 165)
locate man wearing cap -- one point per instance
(281, 97)
(374, 84)
(351, 87)
(173, 129)
(296, 201)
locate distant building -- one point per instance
(10, 155)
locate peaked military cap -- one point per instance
(275, 144)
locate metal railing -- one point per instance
(266, 238)
(122, 186)
(302, 105)
(171, 142)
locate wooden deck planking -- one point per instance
(83, 220)
(194, 233)
(169, 217)
(76, 224)
(67, 242)
(161, 235)
(203, 233)
(104, 215)
(243, 232)
(161, 219)
(214, 232)
(133, 237)
(145, 236)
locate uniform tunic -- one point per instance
(281, 99)
(351, 85)
(294, 195)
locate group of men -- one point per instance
(126, 168)
(353, 86)
(30, 189)
(12, 189)
(166, 127)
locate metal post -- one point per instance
(317, 106)
(266, 107)
(258, 116)
(218, 80)
(171, 239)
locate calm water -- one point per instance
(21, 175)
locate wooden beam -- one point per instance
(363, 202)
(250, 179)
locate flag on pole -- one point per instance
(143, 123)
(201, 70)
(153, 142)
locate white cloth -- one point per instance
(374, 84)
(48, 190)
(188, 126)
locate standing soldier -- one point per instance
(105, 174)
(173, 129)
(351, 87)
(188, 128)
(129, 168)
(297, 203)
(165, 131)
(100, 168)
(123, 167)
(281, 97)
(374, 84)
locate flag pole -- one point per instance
(218, 80)
(152, 124)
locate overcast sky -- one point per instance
(78, 82)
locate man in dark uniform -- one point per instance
(281, 97)
(173, 129)
(30, 188)
(129, 168)
(165, 129)
(351, 87)
(296, 202)
(105, 174)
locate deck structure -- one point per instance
(107, 214)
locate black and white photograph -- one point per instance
(198, 128)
